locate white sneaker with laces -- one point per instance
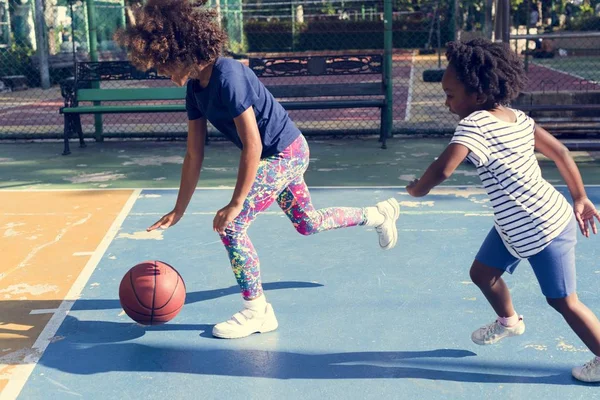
(387, 231)
(247, 322)
(495, 332)
(589, 372)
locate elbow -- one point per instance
(254, 147)
(445, 174)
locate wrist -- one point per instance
(579, 198)
(179, 210)
(236, 203)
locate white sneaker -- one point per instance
(589, 372)
(387, 231)
(495, 332)
(247, 322)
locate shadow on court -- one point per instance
(439, 365)
(12, 311)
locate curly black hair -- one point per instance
(168, 34)
(488, 68)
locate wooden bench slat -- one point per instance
(132, 94)
(139, 108)
(327, 89)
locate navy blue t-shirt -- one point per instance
(231, 90)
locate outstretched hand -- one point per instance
(585, 212)
(166, 221)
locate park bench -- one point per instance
(83, 88)
(295, 82)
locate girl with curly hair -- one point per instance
(532, 219)
(184, 42)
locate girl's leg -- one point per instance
(580, 318)
(491, 262)
(242, 254)
(295, 201)
(489, 281)
(273, 175)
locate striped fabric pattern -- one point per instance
(528, 211)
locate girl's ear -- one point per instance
(481, 99)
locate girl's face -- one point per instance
(458, 100)
(179, 76)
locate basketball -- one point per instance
(152, 293)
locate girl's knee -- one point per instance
(482, 275)
(306, 229)
(563, 304)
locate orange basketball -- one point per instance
(152, 293)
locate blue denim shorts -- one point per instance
(554, 266)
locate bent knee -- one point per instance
(563, 304)
(482, 275)
(306, 228)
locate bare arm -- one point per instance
(247, 129)
(190, 173)
(584, 209)
(440, 170)
(192, 163)
(549, 146)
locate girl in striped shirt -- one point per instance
(532, 220)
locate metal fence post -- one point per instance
(42, 48)
(387, 61)
(92, 23)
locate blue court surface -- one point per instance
(355, 322)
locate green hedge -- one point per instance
(335, 35)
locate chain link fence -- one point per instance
(558, 40)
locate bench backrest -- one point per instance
(112, 71)
(131, 94)
(369, 66)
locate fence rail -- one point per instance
(559, 46)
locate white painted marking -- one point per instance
(21, 373)
(37, 249)
(24, 288)
(142, 235)
(83, 253)
(280, 213)
(43, 311)
(411, 81)
(104, 176)
(28, 189)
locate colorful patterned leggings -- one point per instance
(280, 178)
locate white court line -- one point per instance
(410, 87)
(212, 213)
(20, 374)
(83, 253)
(374, 187)
(43, 311)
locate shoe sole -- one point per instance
(583, 379)
(394, 217)
(517, 333)
(263, 329)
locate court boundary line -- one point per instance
(19, 376)
(410, 87)
(233, 187)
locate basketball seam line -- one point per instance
(135, 293)
(153, 295)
